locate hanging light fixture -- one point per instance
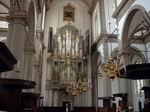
(74, 88)
(84, 85)
(74, 91)
(78, 88)
(111, 68)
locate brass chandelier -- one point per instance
(111, 68)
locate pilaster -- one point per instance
(37, 77)
(102, 16)
(28, 63)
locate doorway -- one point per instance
(67, 105)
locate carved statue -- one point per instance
(84, 85)
(111, 68)
(74, 91)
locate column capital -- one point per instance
(36, 64)
(17, 16)
(17, 13)
(9, 20)
(29, 49)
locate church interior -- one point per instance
(74, 56)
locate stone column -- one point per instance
(37, 77)
(106, 80)
(44, 91)
(10, 30)
(16, 36)
(125, 86)
(88, 95)
(28, 63)
(104, 83)
(10, 27)
(17, 43)
(94, 89)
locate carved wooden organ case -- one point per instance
(67, 63)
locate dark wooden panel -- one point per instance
(7, 60)
(10, 101)
(10, 94)
(53, 109)
(16, 84)
(84, 109)
(136, 71)
(106, 109)
(30, 100)
(106, 101)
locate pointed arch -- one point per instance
(5, 5)
(132, 23)
(134, 51)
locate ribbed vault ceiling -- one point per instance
(89, 2)
(4, 8)
(5, 3)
